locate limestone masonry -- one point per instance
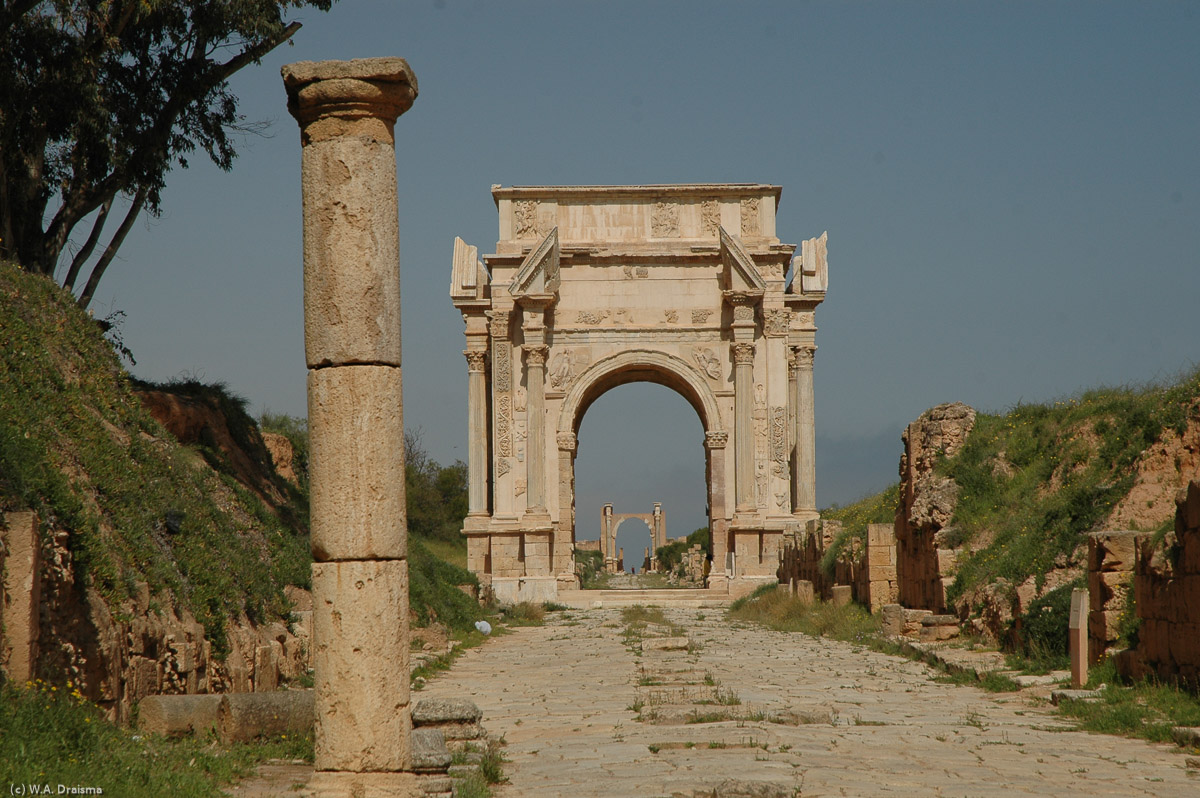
(591, 287)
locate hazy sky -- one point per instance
(1010, 189)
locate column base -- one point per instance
(347, 784)
(568, 582)
(537, 519)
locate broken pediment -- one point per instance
(810, 272)
(469, 278)
(739, 274)
(539, 271)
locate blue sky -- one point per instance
(1010, 190)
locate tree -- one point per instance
(99, 98)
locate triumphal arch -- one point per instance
(591, 287)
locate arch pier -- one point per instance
(591, 287)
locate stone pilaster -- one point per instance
(804, 473)
(477, 469)
(535, 448)
(502, 412)
(743, 426)
(346, 111)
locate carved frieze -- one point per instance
(591, 316)
(743, 312)
(775, 322)
(566, 365)
(779, 452)
(504, 425)
(503, 366)
(664, 220)
(671, 316)
(635, 272)
(716, 440)
(771, 271)
(742, 353)
(750, 220)
(502, 466)
(567, 441)
(518, 487)
(525, 219)
(700, 315)
(708, 361)
(710, 217)
(520, 397)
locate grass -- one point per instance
(77, 446)
(879, 508)
(525, 613)
(52, 735)
(1146, 710)
(1086, 447)
(783, 612)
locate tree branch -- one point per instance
(254, 53)
(110, 251)
(85, 252)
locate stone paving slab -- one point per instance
(563, 696)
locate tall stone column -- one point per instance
(477, 466)
(718, 531)
(743, 426)
(793, 428)
(346, 111)
(804, 474)
(535, 448)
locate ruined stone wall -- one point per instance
(1167, 595)
(145, 646)
(1111, 557)
(924, 566)
(800, 557)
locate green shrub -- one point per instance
(1044, 627)
(670, 556)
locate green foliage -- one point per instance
(77, 447)
(50, 734)
(590, 566)
(436, 496)
(433, 593)
(1044, 627)
(1032, 482)
(877, 509)
(671, 555)
(525, 614)
(136, 87)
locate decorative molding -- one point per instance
(751, 225)
(539, 271)
(671, 316)
(567, 441)
(475, 360)
(742, 353)
(716, 440)
(502, 466)
(743, 312)
(700, 315)
(664, 220)
(566, 364)
(499, 324)
(708, 361)
(775, 322)
(535, 354)
(710, 217)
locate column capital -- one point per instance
(331, 98)
(475, 360)
(535, 355)
(498, 325)
(803, 356)
(742, 352)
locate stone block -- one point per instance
(356, 463)
(361, 665)
(266, 667)
(842, 595)
(351, 256)
(20, 597)
(947, 561)
(881, 573)
(804, 591)
(429, 752)
(881, 555)
(881, 535)
(880, 593)
(242, 717)
(350, 784)
(178, 715)
(1112, 551)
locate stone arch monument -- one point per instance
(591, 287)
(610, 522)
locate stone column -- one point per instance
(794, 428)
(346, 111)
(564, 536)
(535, 445)
(477, 466)
(804, 475)
(715, 442)
(743, 426)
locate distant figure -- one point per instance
(633, 570)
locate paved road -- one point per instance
(815, 718)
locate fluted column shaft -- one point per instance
(535, 449)
(743, 425)
(477, 465)
(805, 473)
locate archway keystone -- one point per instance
(591, 287)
